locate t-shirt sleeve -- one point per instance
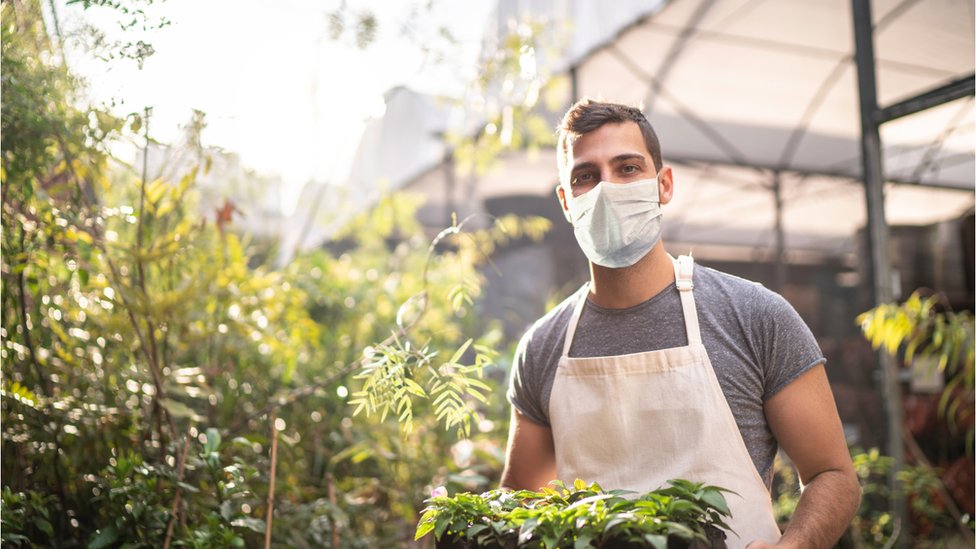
(525, 387)
(789, 347)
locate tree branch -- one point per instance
(950, 503)
(28, 342)
(174, 509)
(271, 482)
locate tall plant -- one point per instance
(920, 328)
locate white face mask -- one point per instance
(616, 224)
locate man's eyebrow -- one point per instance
(583, 166)
(627, 156)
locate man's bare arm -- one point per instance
(530, 460)
(804, 419)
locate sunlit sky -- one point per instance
(274, 84)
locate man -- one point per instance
(658, 369)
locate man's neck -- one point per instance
(629, 286)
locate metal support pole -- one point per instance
(940, 95)
(780, 265)
(450, 189)
(877, 231)
(574, 85)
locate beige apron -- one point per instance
(636, 421)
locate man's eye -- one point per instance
(583, 178)
(629, 168)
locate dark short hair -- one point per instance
(588, 115)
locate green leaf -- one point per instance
(44, 526)
(715, 499)
(414, 388)
(460, 352)
(360, 406)
(684, 507)
(441, 526)
(583, 540)
(103, 538)
(528, 527)
(478, 384)
(178, 409)
(213, 440)
(680, 530)
(251, 523)
(227, 510)
(423, 529)
(657, 541)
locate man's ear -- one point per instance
(665, 184)
(561, 196)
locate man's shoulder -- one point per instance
(551, 326)
(730, 284)
(559, 315)
(741, 293)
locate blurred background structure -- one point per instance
(757, 106)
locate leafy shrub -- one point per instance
(683, 514)
(874, 525)
(25, 518)
(151, 359)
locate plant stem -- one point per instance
(179, 492)
(28, 342)
(947, 499)
(44, 383)
(330, 480)
(141, 277)
(271, 481)
(141, 282)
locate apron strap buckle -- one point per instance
(683, 273)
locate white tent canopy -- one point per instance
(755, 101)
(753, 95)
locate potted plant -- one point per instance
(682, 515)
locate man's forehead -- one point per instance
(608, 140)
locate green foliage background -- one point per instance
(150, 362)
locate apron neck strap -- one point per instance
(574, 320)
(684, 269)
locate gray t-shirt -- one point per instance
(756, 342)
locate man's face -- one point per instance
(614, 153)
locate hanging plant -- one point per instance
(684, 514)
